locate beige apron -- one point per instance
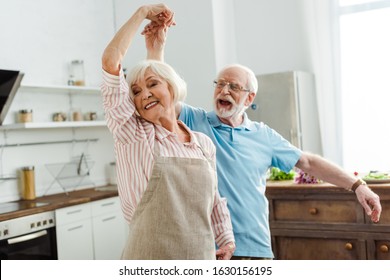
(173, 219)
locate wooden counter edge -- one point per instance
(291, 183)
(60, 200)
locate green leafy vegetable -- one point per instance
(376, 176)
(278, 175)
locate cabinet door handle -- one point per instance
(108, 204)
(313, 211)
(348, 246)
(74, 228)
(74, 211)
(384, 248)
(108, 219)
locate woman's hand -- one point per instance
(118, 46)
(155, 32)
(226, 251)
(155, 37)
(160, 14)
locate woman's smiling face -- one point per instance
(152, 98)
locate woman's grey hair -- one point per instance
(252, 82)
(164, 71)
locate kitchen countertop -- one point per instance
(60, 200)
(56, 201)
(290, 187)
(292, 184)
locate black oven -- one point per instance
(31, 237)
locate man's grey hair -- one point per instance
(252, 83)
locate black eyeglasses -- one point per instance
(220, 84)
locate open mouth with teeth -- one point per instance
(224, 103)
(150, 105)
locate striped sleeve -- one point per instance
(220, 217)
(119, 108)
(221, 222)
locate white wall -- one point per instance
(41, 37)
(270, 35)
(224, 32)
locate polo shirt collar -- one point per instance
(215, 121)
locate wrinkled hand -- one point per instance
(160, 14)
(155, 36)
(155, 32)
(370, 202)
(226, 251)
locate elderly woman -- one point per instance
(166, 173)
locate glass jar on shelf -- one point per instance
(77, 72)
(25, 115)
(76, 115)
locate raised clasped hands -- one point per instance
(160, 16)
(155, 32)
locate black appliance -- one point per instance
(31, 237)
(9, 85)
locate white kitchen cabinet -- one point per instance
(74, 233)
(95, 230)
(109, 229)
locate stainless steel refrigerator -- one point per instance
(287, 103)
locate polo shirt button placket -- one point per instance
(233, 136)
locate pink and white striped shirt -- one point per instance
(134, 140)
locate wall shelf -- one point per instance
(49, 142)
(60, 89)
(6, 178)
(36, 125)
(70, 91)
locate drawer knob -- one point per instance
(348, 246)
(384, 248)
(313, 211)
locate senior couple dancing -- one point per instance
(188, 191)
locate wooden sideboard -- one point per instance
(325, 222)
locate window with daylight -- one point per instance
(365, 84)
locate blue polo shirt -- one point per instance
(244, 155)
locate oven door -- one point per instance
(39, 245)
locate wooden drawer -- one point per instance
(317, 248)
(324, 222)
(385, 216)
(382, 249)
(316, 211)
